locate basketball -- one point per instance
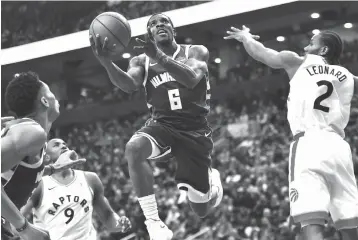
(113, 26)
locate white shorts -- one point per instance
(322, 181)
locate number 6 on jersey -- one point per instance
(174, 99)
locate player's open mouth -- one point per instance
(64, 150)
(162, 32)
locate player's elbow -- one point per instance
(191, 84)
(129, 88)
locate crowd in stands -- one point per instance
(253, 162)
(42, 20)
(251, 139)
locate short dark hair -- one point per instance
(21, 93)
(155, 14)
(335, 45)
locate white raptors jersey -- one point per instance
(66, 210)
(320, 97)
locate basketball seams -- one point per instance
(121, 21)
(110, 32)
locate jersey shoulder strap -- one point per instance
(146, 69)
(187, 47)
(81, 176)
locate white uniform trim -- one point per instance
(155, 147)
(187, 47)
(146, 67)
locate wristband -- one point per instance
(23, 227)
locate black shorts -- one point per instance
(191, 150)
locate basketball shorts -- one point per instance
(191, 150)
(321, 179)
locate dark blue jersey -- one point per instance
(172, 103)
(20, 181)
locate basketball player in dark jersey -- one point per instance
(22, 148)
(177, 87)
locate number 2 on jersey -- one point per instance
(174, 99)
(317, 103)
(69, 213)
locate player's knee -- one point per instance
(200, 209)
(312, 231)
(137, 149)
(199, 202)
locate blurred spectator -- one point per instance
(42, 20)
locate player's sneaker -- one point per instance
(216, 182)
(158, 230)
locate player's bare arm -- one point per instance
(290, 61)
(188, 73)
(34, 201)
(21, 141)
(127, 81)
(101, 206)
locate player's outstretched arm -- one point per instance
(274, 59)
(34, 201)
(127, 81)
(101, 206)
(20, 141)
(10, 212)
(190, 71)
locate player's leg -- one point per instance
(138, 149)
(194, 173)
(344, 199)
(309, 196)
(309, 192)
(202, 206)
(312, 231)
(147, 144)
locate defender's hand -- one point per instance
(148, 46)
(67, 160)
(240, 35)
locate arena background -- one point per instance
(248, 109)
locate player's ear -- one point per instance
(47, 158)
(174, 33)
(324, 50)
(45, 102)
